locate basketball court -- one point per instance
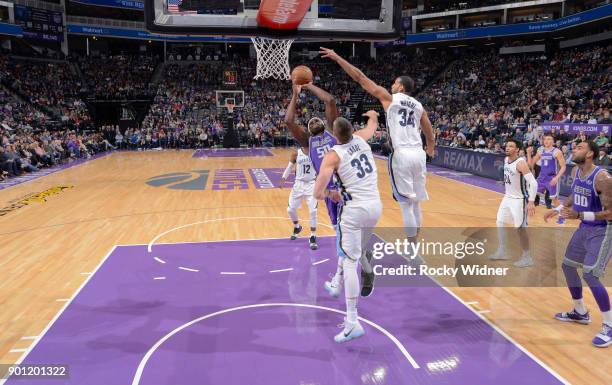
(158, 267)
(175, 267)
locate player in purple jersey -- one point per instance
(552, 168)
(319, 139)
(591, 245)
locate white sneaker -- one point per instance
(498, 256)
(349, 332)
(333, 287)
(524, 261)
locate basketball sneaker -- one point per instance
(349, 332)
(367, 279)
(498, 256)
(524, 261)
(296, 231)
(604, 338)
(313, 243)
(333, 287)
(560, 220)
(574, 316)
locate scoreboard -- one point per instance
(39, 23)
(230, 78)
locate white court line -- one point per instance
(147, 356)
(62, 300)
(17, 350)
(320, 262)
(188, 269)
(159, 278)
(29, 337)
(25, 354)
(159, 260)
(281, 270)
(150, 244)
(497, 329)
(471, 303)
(220, 240)
(233, 273)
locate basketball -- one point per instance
(301, 75)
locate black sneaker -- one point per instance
(313, 243)
(296, 231)
(537, 200)
(367, 280)
(548, 203)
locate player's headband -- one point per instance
(313, 120)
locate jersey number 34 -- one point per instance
(406, 119)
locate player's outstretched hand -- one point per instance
(335, 196)
(431, 150)
(567, 212)
(372, 114)
(328, 53)
(530, 209)
(297, 89)
(549, 215)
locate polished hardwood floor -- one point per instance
(48, 246)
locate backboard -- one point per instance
(225, 97)
(321, 20)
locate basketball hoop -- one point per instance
(272, 58)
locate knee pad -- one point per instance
(349, 264)
(410, 220)
(416, 207)
(591, 279)
(292, 213)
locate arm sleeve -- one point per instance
(532, 186)
(288, 170)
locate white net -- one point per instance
(272, 58)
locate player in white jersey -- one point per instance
(518, 202)
(352, 162)
(302, 189)
(406, 117)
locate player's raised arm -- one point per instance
(331, 110)
(331, 161)
(532, 184)
(357, 75)
(299, 133)
(368, 131)
(429, 133)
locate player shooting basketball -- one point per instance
(318, 138)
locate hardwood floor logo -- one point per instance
(29, 199)
(188, 180)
